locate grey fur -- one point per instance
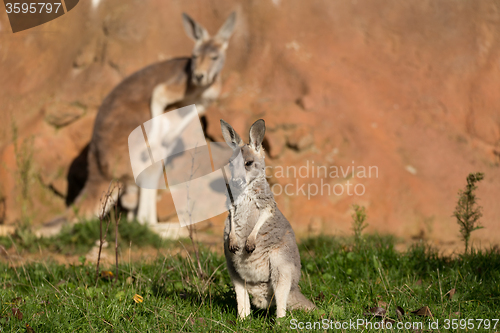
(259, 244)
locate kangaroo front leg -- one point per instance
(233, 241)
(164, 95)
(242, 298)
(264, 215)
(146, 213)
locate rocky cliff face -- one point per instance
(410, 89)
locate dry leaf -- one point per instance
(29, 329)
(423, 311)
(376, 312)
(129, 280)
(419, 282)
(400, 312)
(451, 293)
(17, 313)
(138, 298)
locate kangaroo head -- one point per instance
(209, 53)
(252, 153)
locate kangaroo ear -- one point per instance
(227, 28)
(257, 132)
(232, 138)
(194, 30)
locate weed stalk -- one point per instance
(467, 211)
(358, 223)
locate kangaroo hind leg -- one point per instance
(281, 280)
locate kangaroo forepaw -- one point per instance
(250, 245)
(233, 244)
(234, 248)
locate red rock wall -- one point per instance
(411, 87)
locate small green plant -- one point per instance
(79, 238)
(358, 222)
(468, 212)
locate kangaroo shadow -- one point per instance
(77, 175)
(222, 301)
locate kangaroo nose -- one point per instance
(199, 77)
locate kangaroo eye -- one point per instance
(215, 57)
(249, 163)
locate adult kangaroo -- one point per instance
(145, 94)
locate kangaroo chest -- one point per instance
(251, 267)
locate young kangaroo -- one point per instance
(145, 94)
(259, 244)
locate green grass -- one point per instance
(342, 278)
(80, 237)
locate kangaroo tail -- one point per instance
(297, 301)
